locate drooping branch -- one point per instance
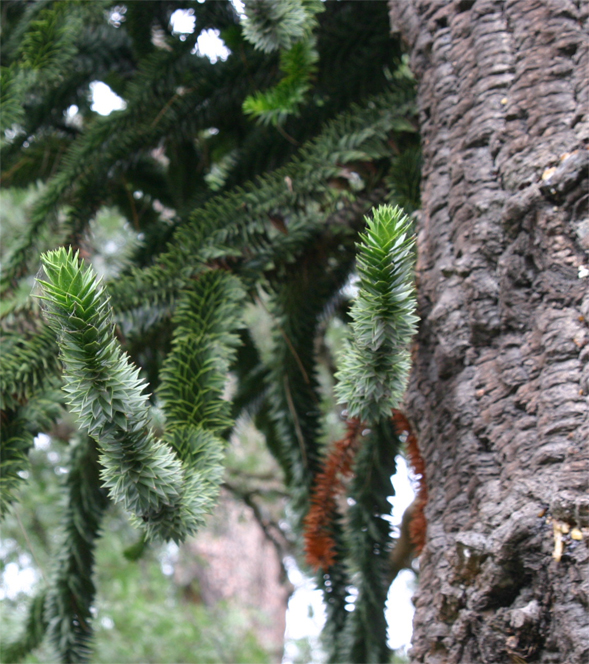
(33, 631)
(372, 377)
(168, 484)
(71, 592)
(104, 390)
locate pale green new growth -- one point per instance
(273, 106)
(274, 24)
(375, 365)
(104, 389)
(170, 484)
(285, 25)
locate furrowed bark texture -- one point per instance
(498, 393)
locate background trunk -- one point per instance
(232, 560)
(499, 388)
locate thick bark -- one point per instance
(498, 393)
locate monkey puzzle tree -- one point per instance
(498, 392)
(243, 180)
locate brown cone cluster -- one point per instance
(319, 543)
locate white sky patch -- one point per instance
(169, 558)
(117, 15)
(404, 491)
(239, 8)
(18, 578)
(351, 289)
(183, 21)
(12, 132)
(107, 622)
(111, 247)
(305, 615)
(72, 117)
(210, 44)
(7, 545)
(399, 610)
(42, 441)
(104, 100)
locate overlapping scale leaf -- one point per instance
(104, 389)
(193, 381)
(274, 24)
(205, 339)
(203, 455)
(170, 484)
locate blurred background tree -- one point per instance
(258, 159)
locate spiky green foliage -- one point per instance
(170, 484)
(165, 99)
(15, 442)
(48, 43)
(63, 610)
(45, 47)
(104, 390)
(194, 374)
(375, 366)
(11, 111)
(28, 361)
(301, 294)
(287, 25)
(223, 210)
(273, 106)
(403, 179)
(33, 632)
(370, 542)
(18, 428)
(308, 193)
(68, 607)
(193, 379)
(271, 25)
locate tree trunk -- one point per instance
(498, 393)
